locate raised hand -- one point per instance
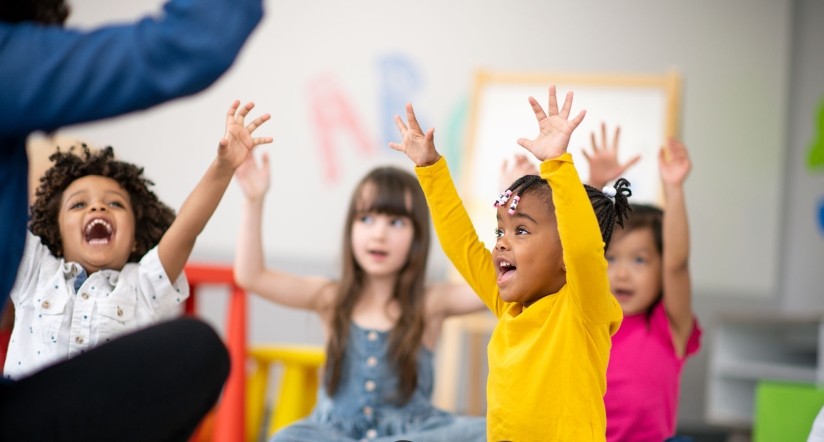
(514, 168)
(254, 178)
(603, 161)
(555, 128)
(419, 147)
(237, 142)
(674, 163)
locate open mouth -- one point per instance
(505, 270)
(98, 231)
(622, 293)
(379, 254)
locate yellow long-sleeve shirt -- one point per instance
(547, 363)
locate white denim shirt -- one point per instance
(54, 322)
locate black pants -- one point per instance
(154, 385)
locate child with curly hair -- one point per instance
(104, 256)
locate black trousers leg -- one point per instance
(154, 385)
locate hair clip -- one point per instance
(514, 204)
(609, 191)
(502, 198)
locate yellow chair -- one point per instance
(297, 390)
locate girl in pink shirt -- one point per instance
(649, 275)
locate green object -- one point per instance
(815, 158)
(455, 141)
(784, 412)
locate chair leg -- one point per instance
(255, 398)
(297, 389)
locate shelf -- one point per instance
(761, 370)
(750, 348)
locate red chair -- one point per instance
(226, 423)
(6, 324)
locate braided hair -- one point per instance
(608, 211)
(152, 218)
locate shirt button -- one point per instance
(367, 411)
(371, 361)
(372, 335)
(369, 385)
(85, 295)
(371, 434)
(45, 304)
(78, 339)
(119, 311)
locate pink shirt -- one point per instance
(643, 378)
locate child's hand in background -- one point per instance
(514, 168)
(419, 147)
(674, 163)
(254, 178)
(603, 160)
(555, 129)
(238, 142)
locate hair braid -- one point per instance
(609, 211)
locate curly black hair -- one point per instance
(47, 12)
(151, 216)
(608, 211)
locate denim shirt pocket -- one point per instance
(51, 311)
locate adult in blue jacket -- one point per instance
(154, 385)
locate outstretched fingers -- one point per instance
(257, 122)
(577, 120)
(230, 114)
(595, 147)
(262, 140)
(553, 101)
(615, 138)
(567, 107)
(401, 125)
(244, 111)
(536, 107)
(410, 117)
(430, 135)
(526, 143)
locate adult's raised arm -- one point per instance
(53, 76)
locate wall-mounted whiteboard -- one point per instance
(646, 107)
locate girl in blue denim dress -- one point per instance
(381, 319)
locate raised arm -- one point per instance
(455, 231)
(603, 160)
(54, 77)
(583, 247)
(675, 165)
(250, 272)
(177, 243)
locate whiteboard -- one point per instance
(644, 106)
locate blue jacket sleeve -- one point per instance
(52, 76)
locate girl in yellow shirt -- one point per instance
(545, 279)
